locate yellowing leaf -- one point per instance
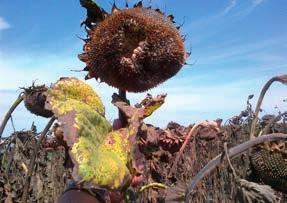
(74, 89)
(99, 155)
(151, 104)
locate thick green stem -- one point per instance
(9, 113)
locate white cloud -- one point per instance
(211, 24)
(198, 96)
(230, 6)
(256, 2)
(255, 51)
(21, 67)
(3, 24)
(205, 21)
(188, 101)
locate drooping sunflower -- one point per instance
(34, 100)
(133, 49)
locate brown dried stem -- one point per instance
(191, 133)
(122, 116)
(33, 159)
(228, 160)
(282, 79)
(9, 113)
(233, 152)
(266, 129)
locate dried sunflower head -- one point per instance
(133, 49)
(269, 163)
(34, 100)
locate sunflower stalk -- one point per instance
(33, 159)
(282, 79)
(233, 152)
(9, 113)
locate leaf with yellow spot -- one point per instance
(74, 89)
(151, 104)
(99, 155)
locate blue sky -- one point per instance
(237, 45)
